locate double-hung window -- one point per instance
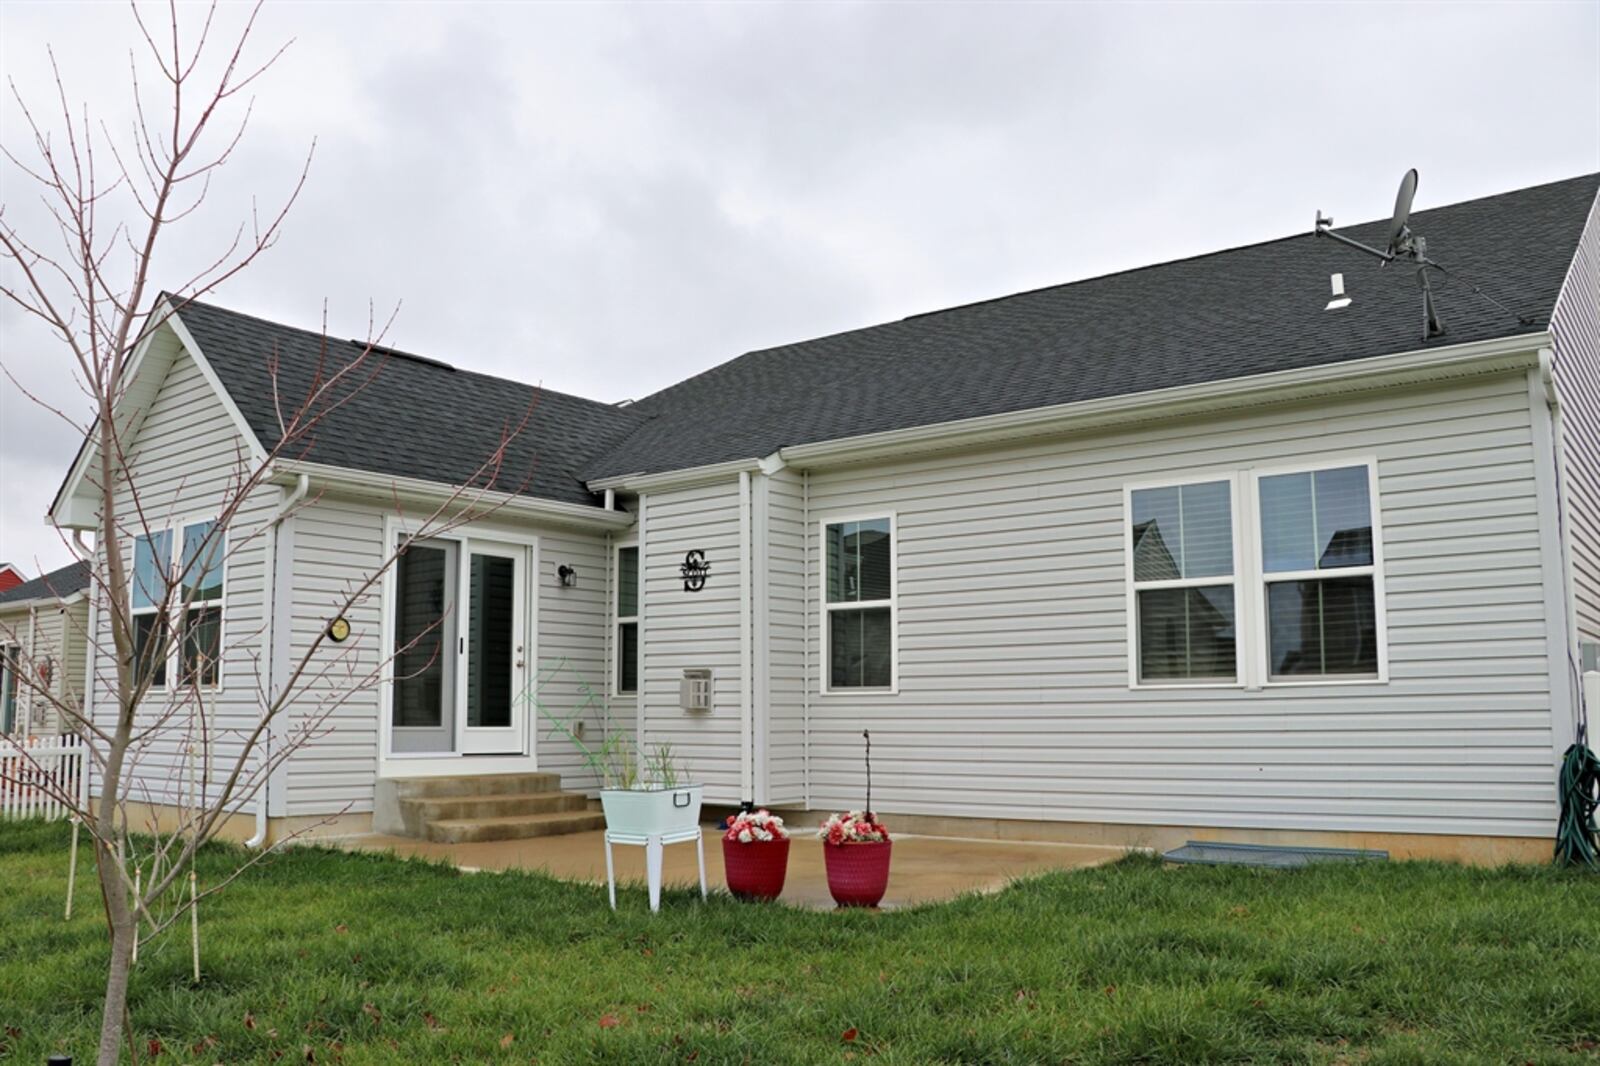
(10, 663)
(1256, 578)
(1183, 591)
(627, 680)
(152, 560)
(177, 604)
(200, 600)
(1318, 567)
(859, 603)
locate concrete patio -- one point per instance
(925, 869)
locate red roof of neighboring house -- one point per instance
(10, 577)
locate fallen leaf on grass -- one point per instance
(372, 1012)
(849, 1034)
(609, 1021)
(433, 1023)
(507, 1040)
(341, 928)
(249, 1020)
(154, 1047)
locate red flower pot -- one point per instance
(858, 874)
(755, 870)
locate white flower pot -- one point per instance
(650, 811)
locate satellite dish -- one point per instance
(1399, 235)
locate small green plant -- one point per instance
(615, 760)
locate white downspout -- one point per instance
(302, 486)
(747, 785)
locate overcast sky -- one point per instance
(606, 199)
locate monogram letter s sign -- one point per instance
(695, 569)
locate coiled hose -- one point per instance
(1580, 795)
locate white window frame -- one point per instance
(614, 686)
(1240, 643)
(826, 609)
(176, 610)
(1258, 591)
(1250, 580)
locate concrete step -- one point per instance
(474, 785)
(461, 807)
(512, 826)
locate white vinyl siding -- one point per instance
(693, 630)
(1575, 325)
(781, 653)
(185, 454)
(1014, 701)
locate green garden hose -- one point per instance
(1580, 795)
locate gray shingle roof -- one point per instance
(414, 417)
(57, 584)
(1229, 314)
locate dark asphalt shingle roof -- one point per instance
(57, 584)
(411, 417)
(1229, 314)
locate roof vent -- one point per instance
(1340, 300)
(395, 353)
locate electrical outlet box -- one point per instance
(694, 691)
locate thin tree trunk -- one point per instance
(123, 930)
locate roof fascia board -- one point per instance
(388, 487)
(1403, 368)
(69, 516)
(257, 453)
(60, 511)
(675, 479)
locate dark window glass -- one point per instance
(1183, 531)
(152, 555)
(1187, 634)
(422, 585)
(202, 645)
(627, 582)
(9, 656)
(1318, 520)
(859, 561)
(151, 638)
(491, 640)
(861, 648)
(1326, 626)
(202, 577)
(628, 657)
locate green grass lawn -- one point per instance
(359, 958)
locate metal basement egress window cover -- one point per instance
(1212, 853)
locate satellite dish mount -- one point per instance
(1403, 246)
(1406, 247)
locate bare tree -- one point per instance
(90, 283)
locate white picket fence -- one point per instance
(35, 772)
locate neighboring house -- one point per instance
(44, 626)
(10, 577)
(1170, 553)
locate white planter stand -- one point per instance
(654, 845)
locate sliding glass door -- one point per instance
(459, 625)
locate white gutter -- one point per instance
(388, 486)
(302, 486)
(674, 479)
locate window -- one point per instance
(1181, 546)
(200, 573)
(10, 662)
(1255, 578)
(859, 583)
(152, 555)
(1317, 563)
(189, 620)
(627, 620)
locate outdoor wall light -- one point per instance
(568, 575)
